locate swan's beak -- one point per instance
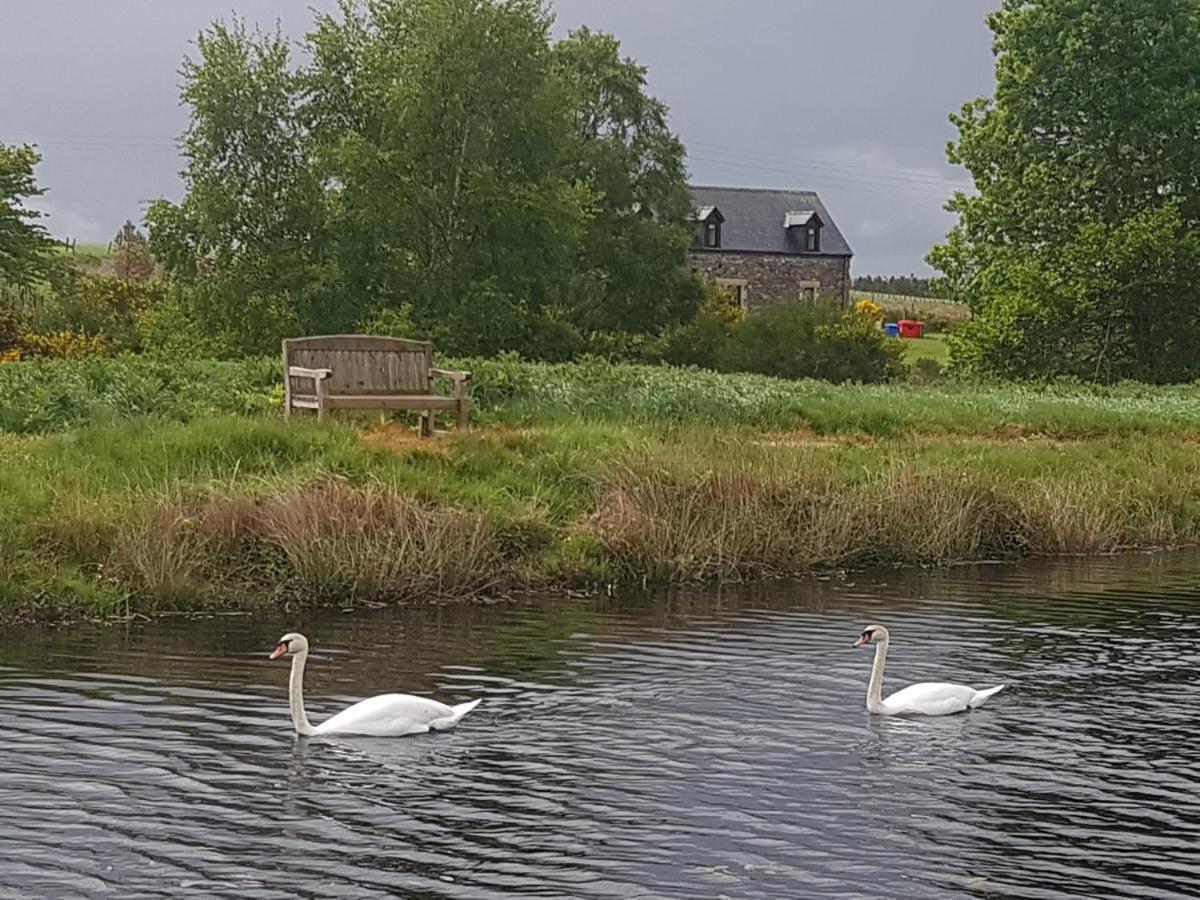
(862, 639)
(280, 650)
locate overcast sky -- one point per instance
(849, 98)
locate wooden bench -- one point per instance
(353, 371)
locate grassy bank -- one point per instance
(141, 489)
(48, 396)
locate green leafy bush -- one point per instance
(812, 341)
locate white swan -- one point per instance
(388, 715)
(933, 698)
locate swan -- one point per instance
(388, 715)
(932, 698)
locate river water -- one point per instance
(701, 744)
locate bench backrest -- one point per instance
(362, 364)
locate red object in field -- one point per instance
(910, 328)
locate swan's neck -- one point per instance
(875, 688)
(296, 695)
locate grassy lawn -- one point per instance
(930, 347)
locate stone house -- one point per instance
(769, 246)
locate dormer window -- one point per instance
(805, 225)
(710, 223)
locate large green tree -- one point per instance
(250, 237)
(440, 159)
(623, 148)
(1078, 250)
(24, 243)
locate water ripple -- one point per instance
(693, 745)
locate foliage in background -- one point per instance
(441, 157)
(79, 313)
(25, 247)
(900, 285)
(1079, 253)
(130, 253)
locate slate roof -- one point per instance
(754, 220)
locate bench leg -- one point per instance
(322, 398)
(464, 409)
(427, 423)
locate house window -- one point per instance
(712, 234)
(814, 238)
(808, 291)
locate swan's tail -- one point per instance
(463, 708)
(456, 713)
(980, 696)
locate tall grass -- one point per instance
(48, 396)
(148, 514)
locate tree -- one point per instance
(643, 216)
(431, 157)
(1077, 251)
(250, 238)
(131, 255)
(24, 243)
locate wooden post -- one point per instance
(287, 384)
(322, 397)
(464, 404)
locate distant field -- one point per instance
(91, 257)
(897, 306)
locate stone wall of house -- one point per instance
(772, 278)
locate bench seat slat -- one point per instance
(377, 401)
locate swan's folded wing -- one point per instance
(931, 698)
(388, 715)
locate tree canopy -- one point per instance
(442, 162)
(1079, 250)
(24, 243)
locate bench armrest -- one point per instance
(449, 374)
(314, 374)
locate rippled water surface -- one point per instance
(696, 745)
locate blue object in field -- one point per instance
(891, 329)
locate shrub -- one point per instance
(10, 332)
(702, 341)
(869, 308)
(77, 303)
(926, 371)
(803, 341)
(64, 344)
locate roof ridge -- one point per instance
(748, 190)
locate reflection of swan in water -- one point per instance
(933, 698)
(388, 715)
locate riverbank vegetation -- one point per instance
(175, 488)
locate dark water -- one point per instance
(697, 745)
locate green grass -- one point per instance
(48, 396)
(931, 347)
(147, 515)
(135, 484)
(89, 257)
